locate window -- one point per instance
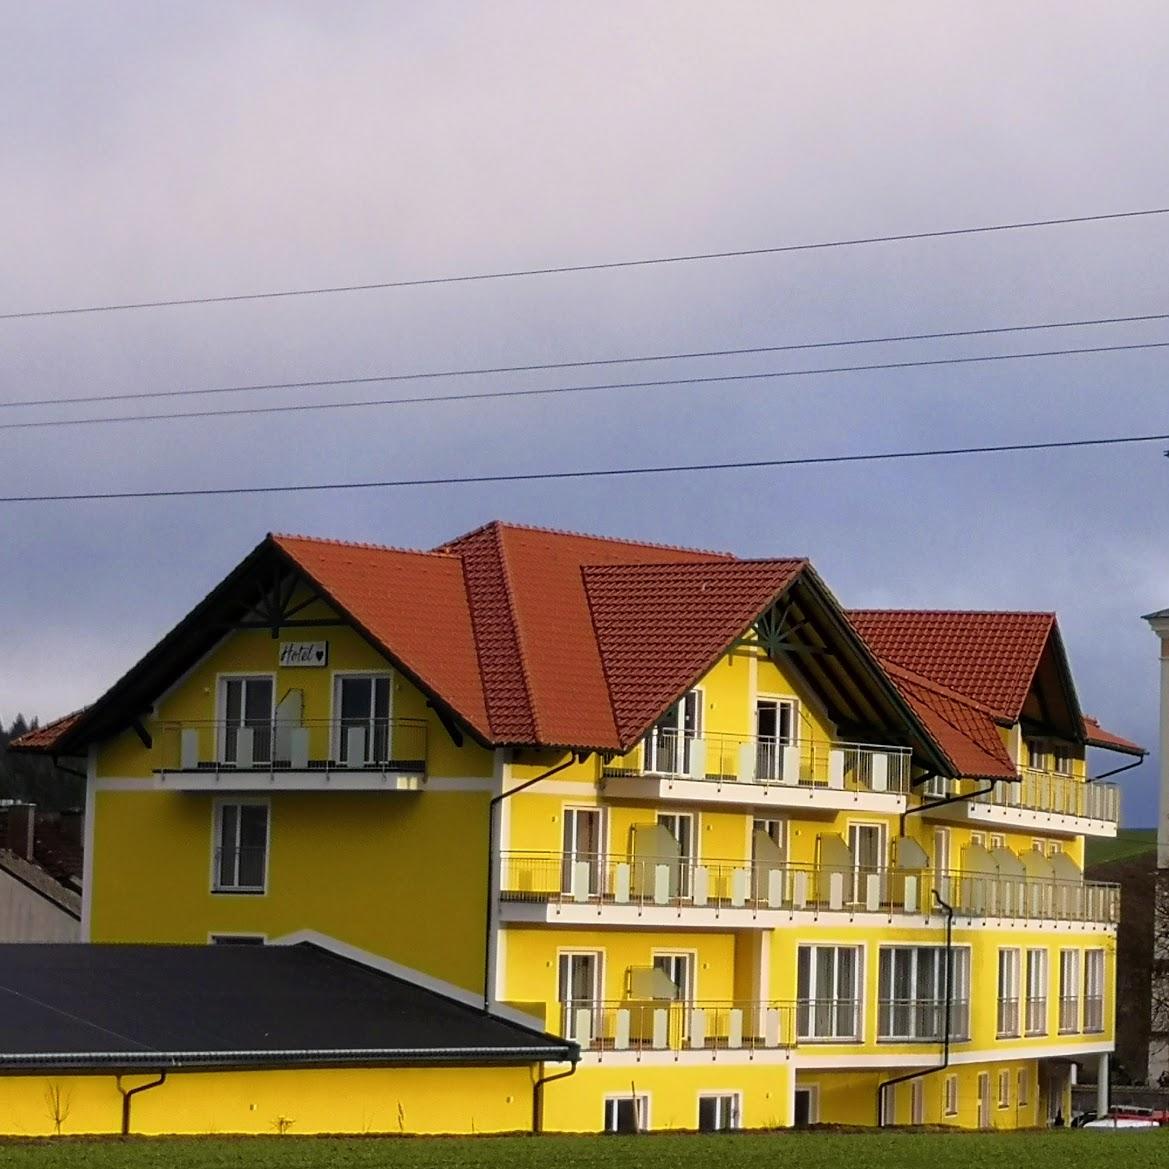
(950, 1096)
(1005, 1088)
(362, 711)
(768, 848)
(718, 1113)
(1024, 1093)
(679, 969)
(669, 746)
(978, 839)
(579, 992)
(1037, 755)
(997, 840)
(626, 1113)
(237, 939)
(582, 860)
(828, 992)
(241, 847)
(866, 842)
(1036, 992)
(1093, 990)
(246, 706)
(912, 993)
(1069, 990)
(775, 728)
(1008, 1010)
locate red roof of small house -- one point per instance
(1096, 736)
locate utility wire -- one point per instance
(600, 473)
(561, 269)
(636, 359)
(481, 395)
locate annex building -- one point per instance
(690, 844)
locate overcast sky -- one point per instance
(155, 151)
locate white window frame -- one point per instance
(651, 747)
(217, 807)
(859, 887)
(689, 959)
(959, 991)
(732, 1099)
(1038, 979)
(335, 720)
(235, 938)
(598, 995)
(814, 996)
(1004, 1088)
(1023, 1091)
(793, 738)
(597, 866)
(1095, 975)
(1010, 965)
(641, 1106)
(950, 1096)
(1070, 959)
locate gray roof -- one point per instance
(156, 1007)
(37, 879)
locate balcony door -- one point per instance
(247, 705)
(866, 842)
(579, 992)
(775, 728)
(583, 848)
(680, 825)
(670, 743)
(363, 719)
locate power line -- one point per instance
(563, 269)
(600, 473)
(636, 359)
(539, 391)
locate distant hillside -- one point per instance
(1129, 844)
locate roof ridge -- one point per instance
(508, 525)
(953, 612)
(737, 562)
(368, 547)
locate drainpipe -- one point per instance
(929, 807)
(492, 834)
(947, 1001)
(1115, 770)
(129, 1093)
(538, 1094)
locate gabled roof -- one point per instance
(1096, 736)
(124, 1006)
(989, 657)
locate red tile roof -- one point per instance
(43, 738)
(989, 657)
(1096, 736)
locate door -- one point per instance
(768, 852)
(669, 744)
(679, 969)
(917, 1103)
(248, 705)
(580, 993)
(583, 846)
(774, 730)
(804, 1114)
(680, 826)
(984, 1099)
(866, 842)
(363, 726)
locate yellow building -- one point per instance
(766, 862)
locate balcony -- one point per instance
(922, 1020)
(600, 889)
(712, 1028)
(1044, 801)
(756, 772)
(301, 755)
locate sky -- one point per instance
(159, 151)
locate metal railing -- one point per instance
(1036, 1016)
(828, 1020)
(1069, 1014)
(664, 1025)
(1059, 794)
(922, 1020)
(1007, 1024)
(602, 879)
(318, 745)
(242, 869)
(1093, 1013)
(723, 758)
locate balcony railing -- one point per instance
(1008, 1018)
(601, 879)
(662, 1025)
(1036, 1015)
(828, 1020)
(723, 758)
(1061, 795)
(242, 869)
(1069, 1014)
(306, 745)
(922, 1020)
(1093, 1013)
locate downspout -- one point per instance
(947, 1001)
(1115, 770)
(492, 832)
(538, 1093)
(129, 1093)
(928, 807)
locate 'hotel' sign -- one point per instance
(304, 653)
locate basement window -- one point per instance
(718, 1113)
(624, 1114)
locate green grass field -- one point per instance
(814, 1150)
(1129, 842)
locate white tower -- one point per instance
(1159, 1025)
